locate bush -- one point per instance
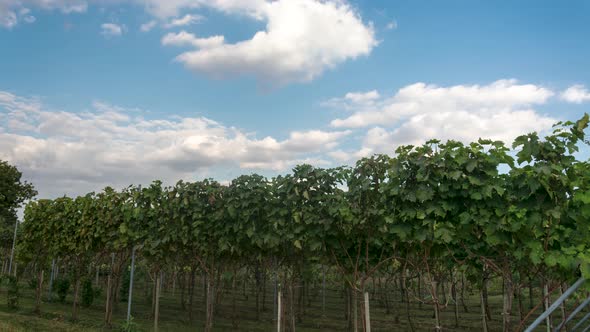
(88, 293)
(12, 292)
(97, 292)
(62, 285)
(33, 283)
(124, 290)
(129, 326)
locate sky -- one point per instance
(117, 92)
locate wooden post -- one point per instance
(324, 291)
(367, 314)
(131, 285)
(279, 309)
(483, 312)
(355, 309)
(12, 251)
(51, 278)
(546, 302)
(108, 301)
(96, 276)
(436, 305)
(157, 305)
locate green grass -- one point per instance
(56, 316)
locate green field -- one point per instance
(56, 316)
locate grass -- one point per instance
(56, 316)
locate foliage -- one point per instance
(32, 282)
(13, 193)
(88, 293)
(124, 290)
(439, 208)
(62, 286)
(129, 326)
(12, 292)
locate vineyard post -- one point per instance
(367, 314)
(546, 302)
(279, 309)
(51, 277)
(12, 251)
(275, 290)
(323, 290)
(157, 306)
(483, 313)
(131, 285)
(436, 307)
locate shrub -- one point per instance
(129, 326)
(33, 283)
(12, 292)
(124, 290)
(62, 285)
(88, 293)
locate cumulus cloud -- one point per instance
(576, 94)
(64, 152)
(184, 38)
(501, 110)
(148, 26)
(112, 29)
(354, 100)
(421, 98)
(187, 19)
(302, 39)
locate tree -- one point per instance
(13, 193)
(36, 241)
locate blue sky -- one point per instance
(96, 93)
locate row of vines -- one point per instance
(440, 211)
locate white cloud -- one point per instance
(576, 94)
(391, 25)
(29, 19)
(421, 98)
(302, 39)
(63, 152)
(501, 110)
(171, 8)
(13, 11)
(8, 18)
(354, 100)
(112, 29)
(184, 38)
(187, 19)
(148, 26)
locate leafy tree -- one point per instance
(249, 237)
(36, 245)
(13, 193)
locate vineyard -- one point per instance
(444, 236)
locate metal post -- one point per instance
(51, 277)
(585, 318)
(573, 314)
(13, 243)
(556, 304)
(131, 285)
